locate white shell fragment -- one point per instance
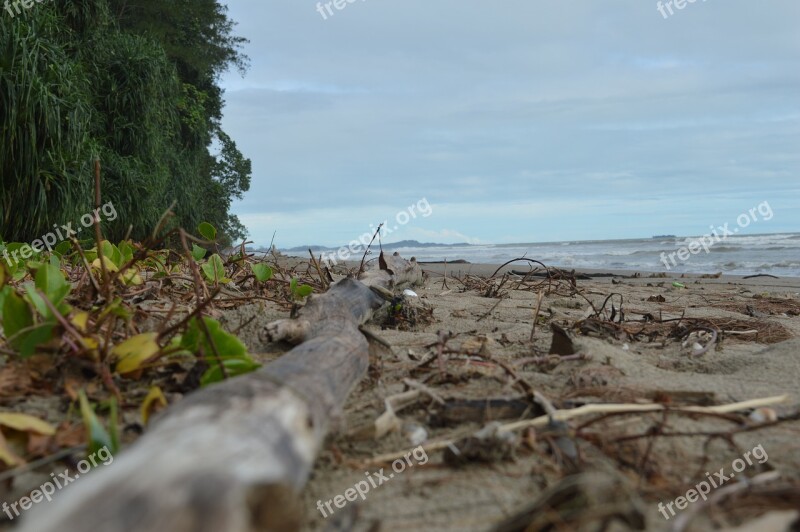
(415, 433)
(409, 293)
(763, 415)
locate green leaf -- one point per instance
(233, 368)
(262, 272)
(214, 269)
(63, 248)
(3, 295)
(227, 344)
(112, 252)
(17, 315)
(207, 231)
(51, 281)
(232, 352)
(27, 340)
(126, 250)
(37, 301)
(13, 268)
(197, 252)
(299, 291)
(304, 290)
(97, 435)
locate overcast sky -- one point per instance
(517, 120)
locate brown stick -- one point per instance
(566, 415)
(539, 298)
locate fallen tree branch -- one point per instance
(235, 456)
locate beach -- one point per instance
(641, 360)
(443, 433)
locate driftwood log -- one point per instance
(235, 456)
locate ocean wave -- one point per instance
(786, 264)
(725, 249)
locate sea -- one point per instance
(774, 254)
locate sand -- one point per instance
(481, 495)
(596, 473)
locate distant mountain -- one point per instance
(415, 244)
(393, 245)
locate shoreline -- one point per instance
(482, 269)
(485, 269)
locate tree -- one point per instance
(133, 84)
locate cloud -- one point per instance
(572, 105)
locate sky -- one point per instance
(515, 120)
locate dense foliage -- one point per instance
(135, 85)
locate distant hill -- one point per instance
(393, 245)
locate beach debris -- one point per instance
(388, 421)
(444, 337)
(676, 284)
(753, 313)
(657, 299)
(603, 412)
(490, 444)
(415, 432)
(489, 312)
(539, 299)
(761, 307)
(551, 361)
(480, 344)
(409, 293)
(763, 415)
(406, 313)
(701, 339)
(558, 435)
(456, 411)
(561, 343)
(427, 390)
